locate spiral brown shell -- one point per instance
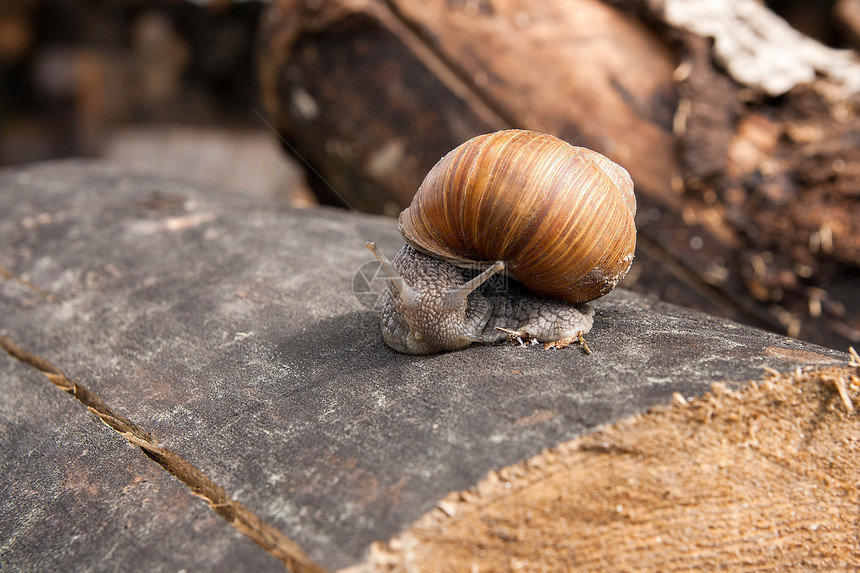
(560, 216)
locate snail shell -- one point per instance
(560, 217)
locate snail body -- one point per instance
(557, 219)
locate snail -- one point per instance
(555, 218)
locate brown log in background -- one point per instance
(732, 211)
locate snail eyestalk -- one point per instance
(461, 293)
(459, 297)
(407, 293)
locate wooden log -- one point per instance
(382, 90)
(231, 342)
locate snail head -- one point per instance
(429, 308)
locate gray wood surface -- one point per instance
(227, 327)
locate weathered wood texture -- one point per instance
(229, 330)
(776, 177)
(748, 202)
(758, 480)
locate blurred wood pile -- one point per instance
(162, 85)
(72, 70)
(741, 134)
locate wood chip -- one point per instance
(843, 393)
(567, 341)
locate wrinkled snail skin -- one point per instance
(556, 218)
(434, 325)
(430, 323)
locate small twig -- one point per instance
(567, 341)
(752, 428)
(521, 337)
(584, 343)
(854, 359)
(9, 275)
(510, 332)
(843, 393)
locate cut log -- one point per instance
(229, 341)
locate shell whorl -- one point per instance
(560, 216)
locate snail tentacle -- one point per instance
(407, 294)
(460, 295)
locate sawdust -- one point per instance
(762, 479)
